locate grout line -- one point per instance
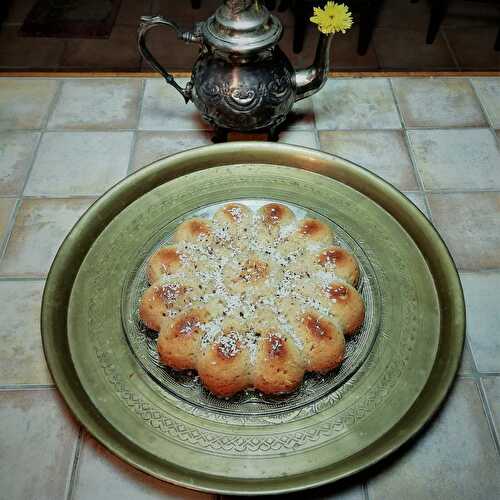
(418, 176)
(21, 278)
(42, 130)
(75, 469)
(489, 415)
(406, 139)
(53, 105)
(176, 130)
(13, 215)
(94, 196)
(462, 191)
(25, 387)
(136, 133)
(364, 487)
(481, 104)
(316, 133)
(32, 277)
(396, 103)
(9, 228)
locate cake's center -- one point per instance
(253, 270)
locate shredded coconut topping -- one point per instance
(244, 272)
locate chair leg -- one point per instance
(367, 20)
(497, 41)
(299, 31)
(195, 4)
(438, 11)
(284, 5)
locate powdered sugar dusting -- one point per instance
(219, 277)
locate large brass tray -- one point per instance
(400, 383)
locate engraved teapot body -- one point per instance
(241, 79)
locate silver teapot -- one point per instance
(241, 79)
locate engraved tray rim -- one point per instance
(74, 248)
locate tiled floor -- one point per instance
(465, 40)
(63, 142)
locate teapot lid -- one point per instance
(242, 26)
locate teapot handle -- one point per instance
(148, 22)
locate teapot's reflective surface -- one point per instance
(241, 79)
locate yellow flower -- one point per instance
(333, 18)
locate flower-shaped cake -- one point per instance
(252, 300)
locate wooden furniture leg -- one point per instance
(367, 19)
(438, 11)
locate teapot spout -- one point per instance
(312, 79)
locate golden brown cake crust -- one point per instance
(252, 299)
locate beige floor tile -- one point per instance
(79, 163)
(21, 356)
(492, 389)
(356, 104)
(383, 152)
(482, 296)
(304, 138)
(438, 102)
(16, 155)
(455, 457)
(346, 489)
(95, 104)
(470, 225)
(102, 475)
(38, 445)
(151, 146)
(163, 108)
(301, 117)
(24, 103)
(488, 90)
(461, 159)
(40, 227)
(419, 200)
(6, 207)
